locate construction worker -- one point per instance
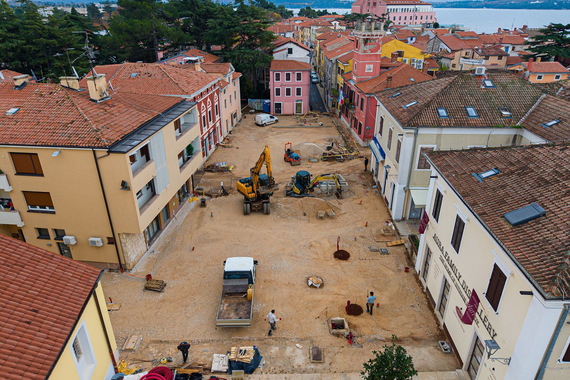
(184, 347)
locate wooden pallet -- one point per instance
(395, 242)
(132, 342)
(155, 285)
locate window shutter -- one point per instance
(35, 198)
(437, 205)
(457, 233)
(26, 163)
(566, 357)
(495, 288)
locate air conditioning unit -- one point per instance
(69, 240)
(480, 71)
(95, 242)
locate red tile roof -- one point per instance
(8, 75)
(280, 41)
(346, 46)
(455, 43)
(219, 68)
(208, 58)
(345, 58)
(51, 115)
(546, 67)
(537, 173)
(42, 295)
(549, 108)
(288, 64)
(401, 75)
(156, 79)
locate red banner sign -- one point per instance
(424, 223)
(471, 310)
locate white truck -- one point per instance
(236, 303)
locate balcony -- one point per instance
(4, 184)
(11, 217)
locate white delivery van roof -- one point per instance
(238, 264)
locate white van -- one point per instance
(264, 119)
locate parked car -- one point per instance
(264, 119)
(314, 78)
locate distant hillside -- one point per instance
(324, 4)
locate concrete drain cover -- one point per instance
(316, 355)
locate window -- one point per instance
(298, 91)
(422, 160)
(427, 262)
(486, 58)
(210, 116)
(437, 205)
(398, 149)
(457, 233)
(27, 164)
(406, 106)
(539, 77)
(277, 77)
(58, 234)
(442, 112)
(204, 120)
(476, 358)
(500, 58)
(289, 50)
(551, 123)
(287, 91)
(488, 83)
(43, 233)
(362, 104)
(505, 112)
(82, 353)
(486, 174)
(277, 91)
(557, 77)
(369, 68)
(566, 356)
(298, 77)
(381, 125)
(38, 201)
(471, 112)
(216, 109)
(287, 77)
(390, 132)
(444, 299)
(395, 95)
(496, 286)
(140, 157)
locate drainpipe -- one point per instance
(109, 346)
(548, 354)
(108, 212)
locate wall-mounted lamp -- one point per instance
(526, 293)
(387, 167)
(400, 134)
(492, 347)
(56, 153)
(125, 185)
(433, 176)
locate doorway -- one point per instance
(415, 212)
(298, 107)
(475, 358)
(277, 109)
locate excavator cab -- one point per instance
(258, 188)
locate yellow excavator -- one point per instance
(302, 185)
(258, 188)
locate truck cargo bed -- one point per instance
(235, 309)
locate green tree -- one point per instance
(436, 25)
(195, 16)
(93, 12)
(553, 43)
(9, 35)
(393, 363)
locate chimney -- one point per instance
(389, 81)
(529, 64)
(21, 81)
(97, 86)
(70, 82)
(196, 61)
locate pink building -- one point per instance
(400, 12)
(290, 85)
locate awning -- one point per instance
(377, 150)
(420, 197)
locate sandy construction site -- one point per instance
(291, 244)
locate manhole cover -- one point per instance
(316, 354)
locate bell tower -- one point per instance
(368, 50)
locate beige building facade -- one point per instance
(475, 247)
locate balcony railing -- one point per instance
(11, 217)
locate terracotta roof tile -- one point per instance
(548, 109)
(401, 75)
(546, 67)
(40, 305)
(218, 68)
(8, 75)
(458, 91)
(537, 173)
(342, 47)
(288, 64)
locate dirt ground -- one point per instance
(291, 244)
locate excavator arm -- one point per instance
(264, 158)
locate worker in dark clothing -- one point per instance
(184, 347)
(365, 163)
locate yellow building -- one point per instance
(402, 52)
(55, 323)
(541, 72)
(343, 66)
(93, 175)
(496, 278)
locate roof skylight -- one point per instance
(442, 112)
(488, 83)
(12, 111)
(412, 79)
(525, 214)
(396, 94)
(471, 112)
(486, 174)
(410, 104)
(134, 75)
(505, 112)
(551, 123)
